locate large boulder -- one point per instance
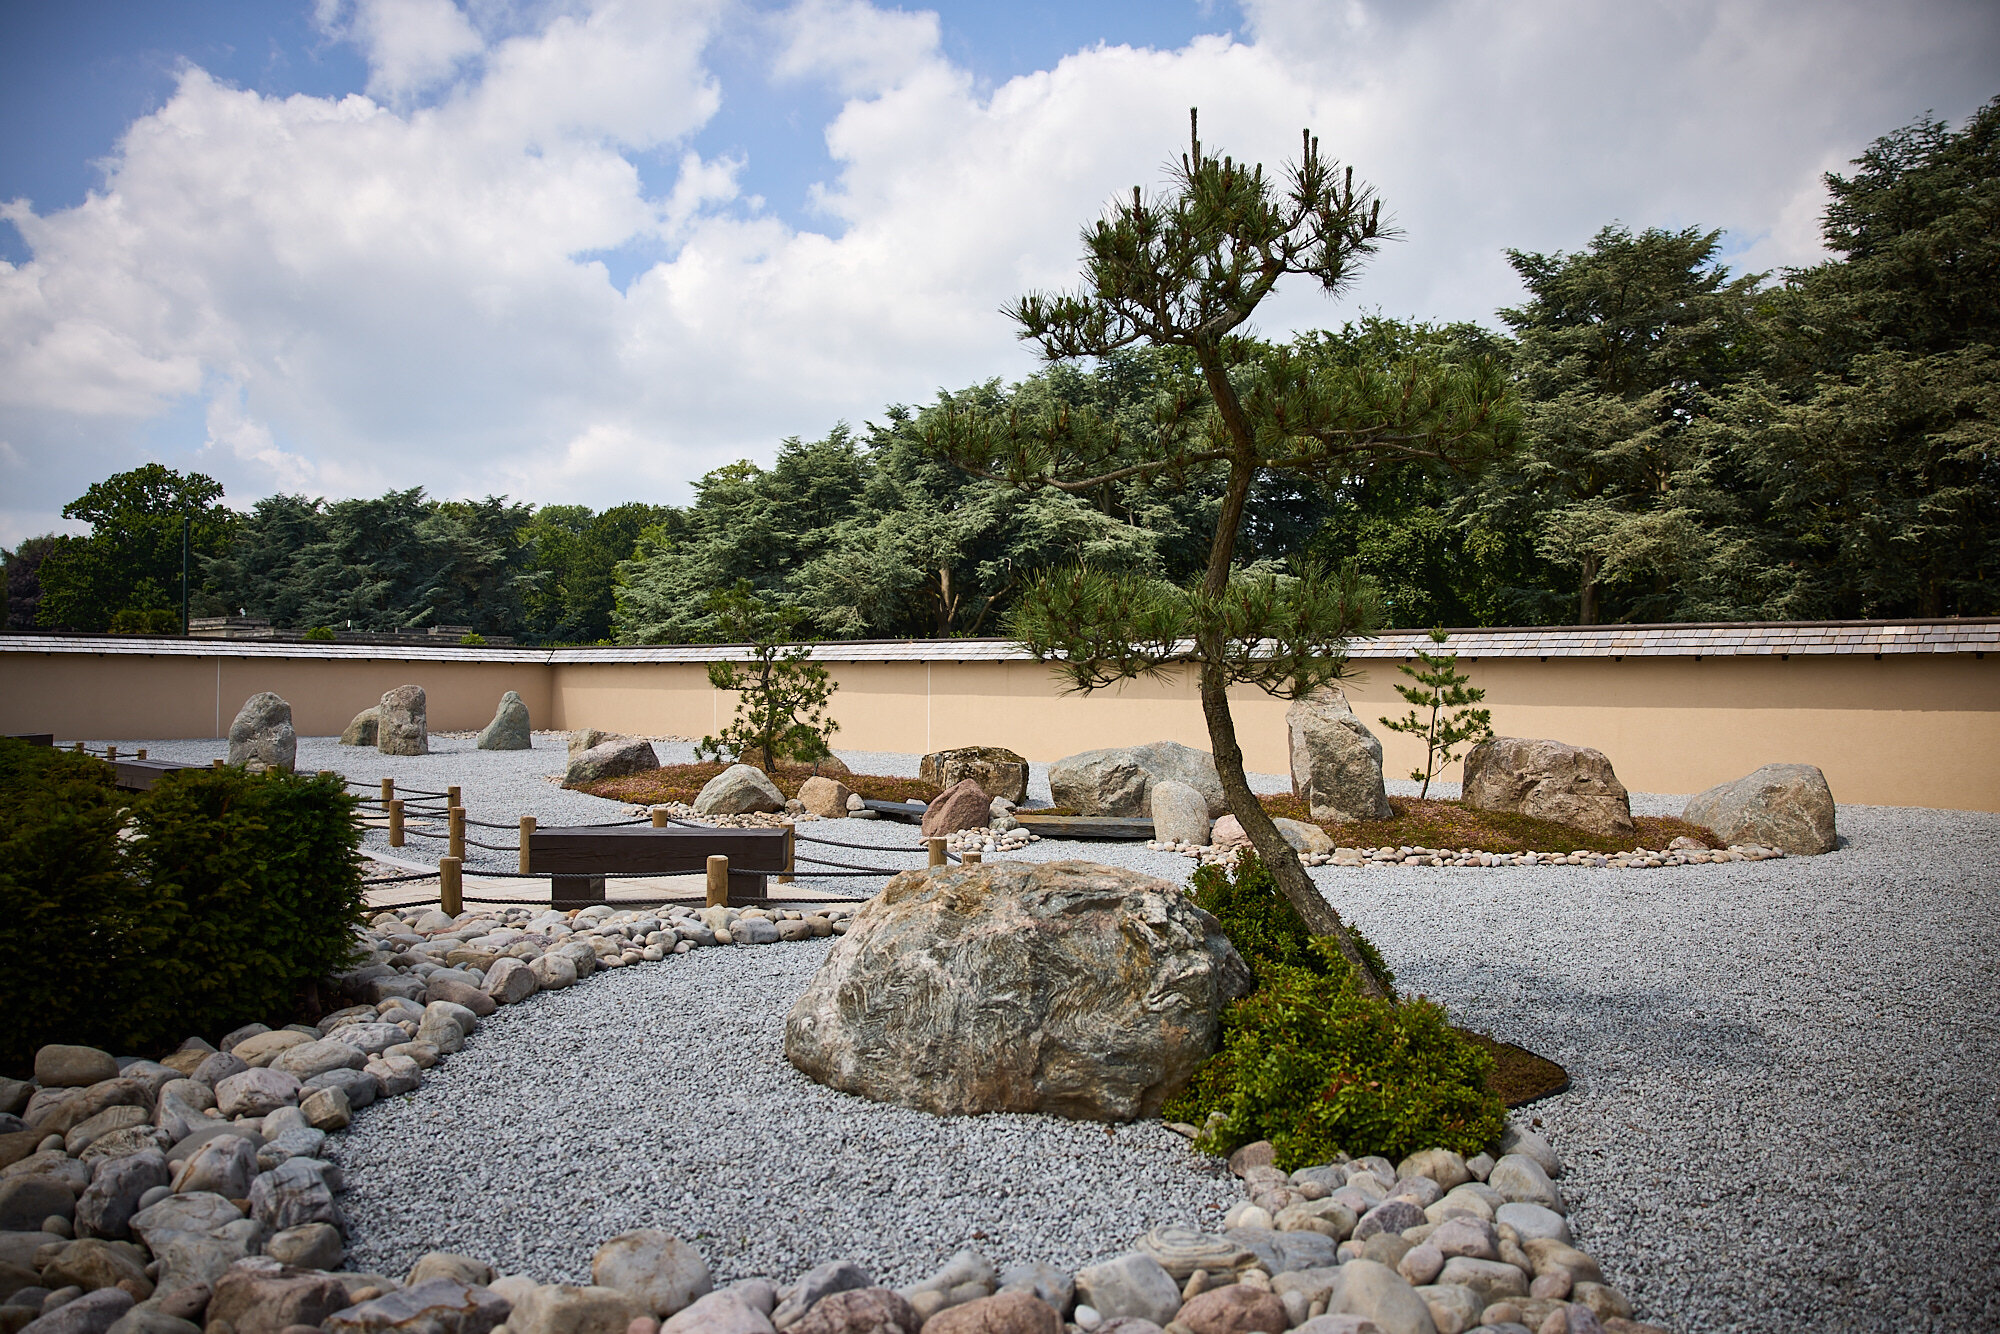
(611, 759)
(402, 729)
(963, 805)
(261, 737)
(998, 771)
(589, 738)
(1336, 760)
(1786, 806)
(825, 797)
(1550, 780)
(509, 728)
(1180, 813)
(1118, 781)
(739, 790)
(1070, 988)
(364, 729)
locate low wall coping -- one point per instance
(1725, 639)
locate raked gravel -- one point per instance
(1785, 1111)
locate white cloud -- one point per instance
(379, 291)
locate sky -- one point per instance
(584, 251)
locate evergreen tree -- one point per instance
(1187, 271)
(1440, 711)
(24, 583)
(126, 575)
(781, 694)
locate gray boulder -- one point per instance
(435, 1304)
(1180, 813)
(402, 729)
(509, 728)
(1118, 781)
(589, 738)
(1784, 806)
(1550, 780)
(1063, 987)
(739, 790)
(655, 1269)
(1336, 760)
(1133, 1285)
(106, 1207)
(614, 758)
(261, 737)
(365, 728)
(998, 771)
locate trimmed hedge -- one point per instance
(1316, 1067)
(216, 898)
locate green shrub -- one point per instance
(472, 639)
(321, 634)
(65, 897)
(227, 896)
(1314, 1066)
(256, 887)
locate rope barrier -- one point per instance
(858, 847)
(399, 879)
(488, 824)
(491, 847)
(850, 866)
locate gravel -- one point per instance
(1784, 1110)
(659, 1096)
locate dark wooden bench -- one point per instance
(1123, 828)
(578, 857)
(140, 775)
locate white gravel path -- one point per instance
(1785, 1110)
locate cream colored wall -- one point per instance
(83, 695)
(1908, 729)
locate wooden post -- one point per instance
(142, 753)
(323, 773)
(660, 817)
(936, 845)
(791, 855)
(78, 748)
(396, 824)
(527, 835)
(455, 831)
(718, 882)
(973, 858)
(111, 753)
(451, 888)
(213, 763)
(451, 796)
(388, 792)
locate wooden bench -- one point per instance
(140, 775)
(1124, 828)
(578, 857)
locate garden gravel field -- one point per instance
(1784, 1111)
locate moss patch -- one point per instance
(1518, 1077)
(1447, 824)
(683, 783)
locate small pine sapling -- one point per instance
(1440, 687)
(782, 694)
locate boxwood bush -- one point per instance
(216, 898)
(1316, 1067)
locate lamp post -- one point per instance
(184, 573)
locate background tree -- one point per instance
(781, 693)
(1186, 270)
(127, 572)
(24, 584)
(573, 559)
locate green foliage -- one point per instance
(782, 693)
(1316, 1067)
(211, 900)
(69, 904)
(472, 639)
(24, 581)
(253, 893)
(130, 564)
(321, 634)
(574, 554)
(1440, 687)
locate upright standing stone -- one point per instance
(509, 728)
(1336, 760)
(1180, 813)
(262, 738)
(402, 730)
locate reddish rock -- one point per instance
(859, 1311)
(1235, 1309)
(1259, 1154)
(261, 1296)
(963, 805)
(1007, 1313)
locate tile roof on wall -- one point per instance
(1749, 638)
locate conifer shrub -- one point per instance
(65, 895)
(1315, 1066)
(255, 884)
(216, 898)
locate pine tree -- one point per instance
(1440, 686)
(782, 693)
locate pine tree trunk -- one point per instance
(1586, 596)
(1282, 859)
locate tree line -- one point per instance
(1675, 443)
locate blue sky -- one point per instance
(580, 251)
